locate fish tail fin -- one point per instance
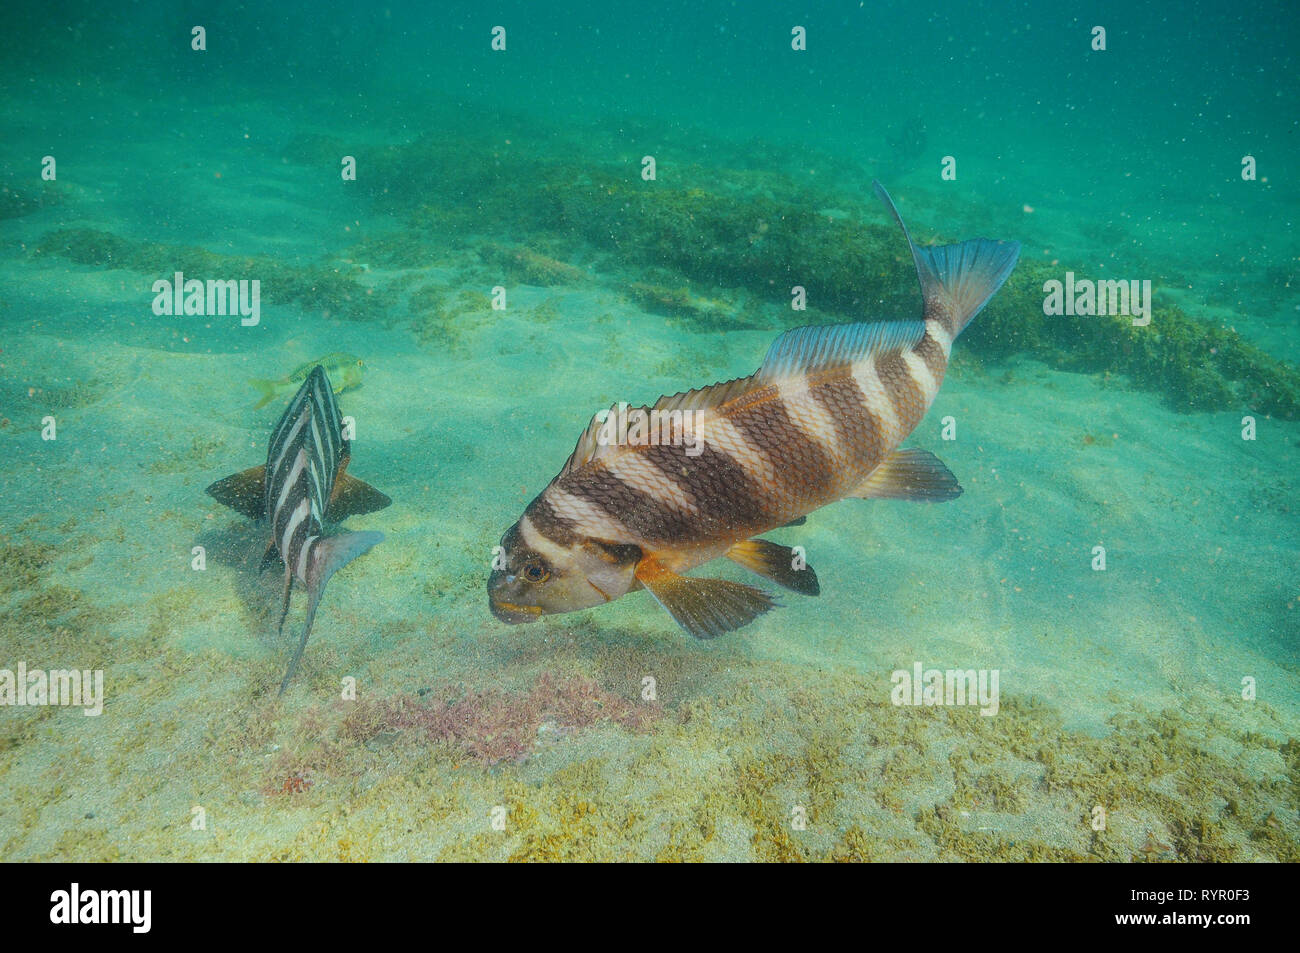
(328, 555)
(266, 388)
(958, 280)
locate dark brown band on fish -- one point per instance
(796, 457)
(618, 554)
(903, 390)
(642, 514)
(511, 538)
(549, 523)
(931, 352)
(285, 513)
(857, 429)
(941, 311)
(718, 486)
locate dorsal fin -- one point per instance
(589, 446)
(819, 347)
(705, 398)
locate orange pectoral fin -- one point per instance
(705, 608)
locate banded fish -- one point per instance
(303, 486)
(820, 421)
(346, 369)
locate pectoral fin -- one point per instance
(242, 492)
(915, 475)
(705, 608)
(779, 563)
(352, 497)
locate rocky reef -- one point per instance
(758, 231)
(529, 215)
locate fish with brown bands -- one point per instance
(820, 421)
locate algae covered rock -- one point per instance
(1193, 365)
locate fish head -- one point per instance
(534, 576)
(351, 371)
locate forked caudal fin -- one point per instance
(958, 280)
(328, 556)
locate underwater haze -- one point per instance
(486, 224)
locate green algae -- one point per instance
(1195, 366)
(441, 318)
(23, 561)
(198, 455)
(520, 263)
(46, 625)
(727, 228)
(23, 407)
(849, 268)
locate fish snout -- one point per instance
(501, 589)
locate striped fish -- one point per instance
(820, 421)
(302, 486)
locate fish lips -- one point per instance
(504, 610)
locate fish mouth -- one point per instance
(513, 614)
(509, 612)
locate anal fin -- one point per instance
(916, 475)
(776, 562)
(705, 608)
(269, 558)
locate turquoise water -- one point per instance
(1146, 710)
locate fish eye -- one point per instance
(534, 571)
